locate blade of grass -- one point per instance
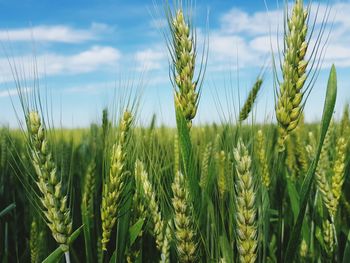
(346, 255)
(135, 230)
(7, 209)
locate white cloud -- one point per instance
(94, 59)
(83, 62)
(150, 59)
(238, 21)
(159, 23)
(55, 33)
(248, 37)
(13, 92)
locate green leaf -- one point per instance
(346, 255)
(135, 230)
(227, 251)
(87, 234)
(7, 209)
(188, 159)
(58, 252)
(123, 226)
(294, 198)
(329, 104)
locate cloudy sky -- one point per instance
(85, 51)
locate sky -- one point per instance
(88, 52)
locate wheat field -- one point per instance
(239, 191)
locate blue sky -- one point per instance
(85, 49)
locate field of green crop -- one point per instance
(232, 192)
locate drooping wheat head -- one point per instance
(246, 233)
(53, 199)
(290, 94)
(114, 184)
(248, 105)
(185, 232)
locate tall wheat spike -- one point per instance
(184, 226)
(113, 186)
(183, 54)
(49, 183)
(290, 94)
(246, 233)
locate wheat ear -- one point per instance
(89, 189)
(265, 176)
(35, 242)
(246, 234)
(184, 59)
(52, 198)
(338, 171)
(141, 177)
(205, 166)
(184, 227)
(248, 105)
(290, 95)
(114, 184)
(221, 177)
(165, 251)
(328, 237)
